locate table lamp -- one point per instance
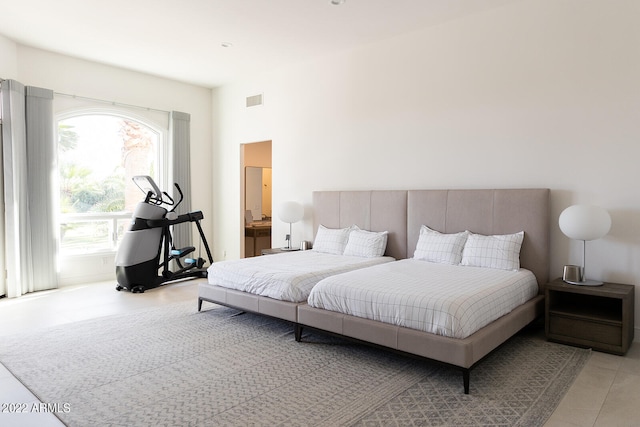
(290, 212)
(583, 222)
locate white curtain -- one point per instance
(28, 169)
(41, 174)
(180, 131)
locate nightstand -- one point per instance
(272, 251)
(599, 317)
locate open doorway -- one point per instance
(256, 197)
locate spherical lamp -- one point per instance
(290, 212)
(584, 222)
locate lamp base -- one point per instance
(585, 283)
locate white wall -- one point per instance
(74, 76)
(8, 58)
(539, 93)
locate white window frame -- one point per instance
(100, 265)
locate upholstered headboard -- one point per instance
(402, 212)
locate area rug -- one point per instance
(175, 366)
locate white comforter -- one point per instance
(454, 301)
(287, 276)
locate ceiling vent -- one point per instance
(254, 100)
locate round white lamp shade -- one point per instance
(291, 212)
(584, 222)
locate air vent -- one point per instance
(254, 100)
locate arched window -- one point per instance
(98, 154)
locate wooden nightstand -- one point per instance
(272, 251)
(599, 317)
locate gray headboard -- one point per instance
(402, 212)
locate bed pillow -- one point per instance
(437, 247)
(497, 251)
(332, 240)
(368, 244)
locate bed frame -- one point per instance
(402, 212)
(448, 211)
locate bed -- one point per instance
(275, 285)
(449, 300)
(483, 213)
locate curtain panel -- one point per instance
(180, 131)
(41, 175)
(28, 150)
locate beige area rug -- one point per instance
(174, 366)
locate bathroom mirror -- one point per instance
(257, 194)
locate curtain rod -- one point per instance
(117, 104)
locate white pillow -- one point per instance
(437, 247)
(498, 251)
(331, 240)
(368, 244)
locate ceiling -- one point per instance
(184, 40)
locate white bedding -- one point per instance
(450, 300)
(287, 276)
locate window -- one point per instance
(98, 154)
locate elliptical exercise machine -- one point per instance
(138, 260)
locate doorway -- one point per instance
(256, 197)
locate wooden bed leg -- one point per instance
(298, 332)
(465, 380)
(199, 304)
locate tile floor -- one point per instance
(606, 393)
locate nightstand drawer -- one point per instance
(574, 329)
